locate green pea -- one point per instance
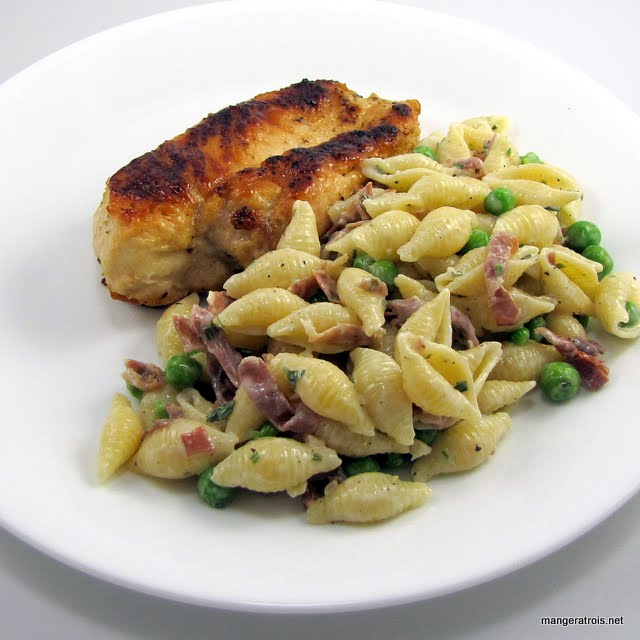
(581, 235)
(520, 336)
(160, 410)
(428, 436)
(583, 320)
(360, 465)
(634, 316)
(530, 158)
(213, 494)
(267, 430)
(318, 296)
(559, 381)
(499, 201)
(426, 151)
(478, 238)
(533, 324)
(134, 391)
(363, 260)
(384, 270)
(182, 371)
(392, 460)
(601, 255)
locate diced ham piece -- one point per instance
(461, 324)
(374, 285)
(501, 246)
(580, 353)
(196, 442)
(144, 376)
(472, 167)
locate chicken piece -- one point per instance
(182, 218)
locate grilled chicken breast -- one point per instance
(182, 218)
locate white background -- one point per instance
(599, 575)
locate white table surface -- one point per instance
(598, 575)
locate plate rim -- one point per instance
(67, 559)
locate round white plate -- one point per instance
(70, 121)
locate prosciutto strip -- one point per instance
(305, 287)
(461, 324)
(196, 442)
(432, 421)
(327, 283)
(199, 332)
(374, 285)
(581, 353)
(501, 246)
(261, 386)
(144, 376)
(218, 301)
(345, 335)
(355, 212)
(221, 384)
(404, 309)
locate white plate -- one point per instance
(71, 120)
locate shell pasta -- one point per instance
(346, 370)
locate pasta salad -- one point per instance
(349, 369)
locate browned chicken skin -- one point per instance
(182, 218)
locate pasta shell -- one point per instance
(167, 339)
(367, 497)
(531, 224)
(436, 377)
(443, 232)
(431, 192)
(454, 145)
(569, 278)
(496, 394)
(297, 328)
(382, 237)
(478, 310)
(245, 416)
(432, 321)
(278, 268)
(611, 298)
(256, 311)
(367, 302)
(481, 360)
(120, 438)
(162, 453)
(325, 389)
(409, 288)
(337, 436)
(463, 446)
(274, 464)
(565, 324)
(302, 231)
(530, 192)
(522, 363)
(378, 379)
